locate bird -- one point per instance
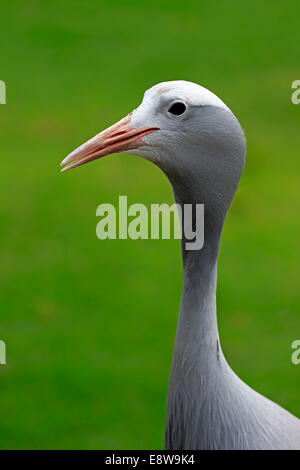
(199, 144)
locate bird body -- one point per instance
(198, 143)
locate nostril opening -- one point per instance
(117, 134)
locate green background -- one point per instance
(89, 324)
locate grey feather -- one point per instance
(209, 407)
(202, 152)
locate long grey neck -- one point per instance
(198, 363)
(200, 376)
(197, 340)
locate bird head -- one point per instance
(184, 129)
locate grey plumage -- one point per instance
(202, 152)
(209, 407)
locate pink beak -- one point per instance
(120, 137)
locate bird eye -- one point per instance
(177, 108)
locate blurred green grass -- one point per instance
(90, 324)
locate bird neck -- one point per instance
(198, 363)
(197, 339)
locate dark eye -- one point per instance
(177, 108)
